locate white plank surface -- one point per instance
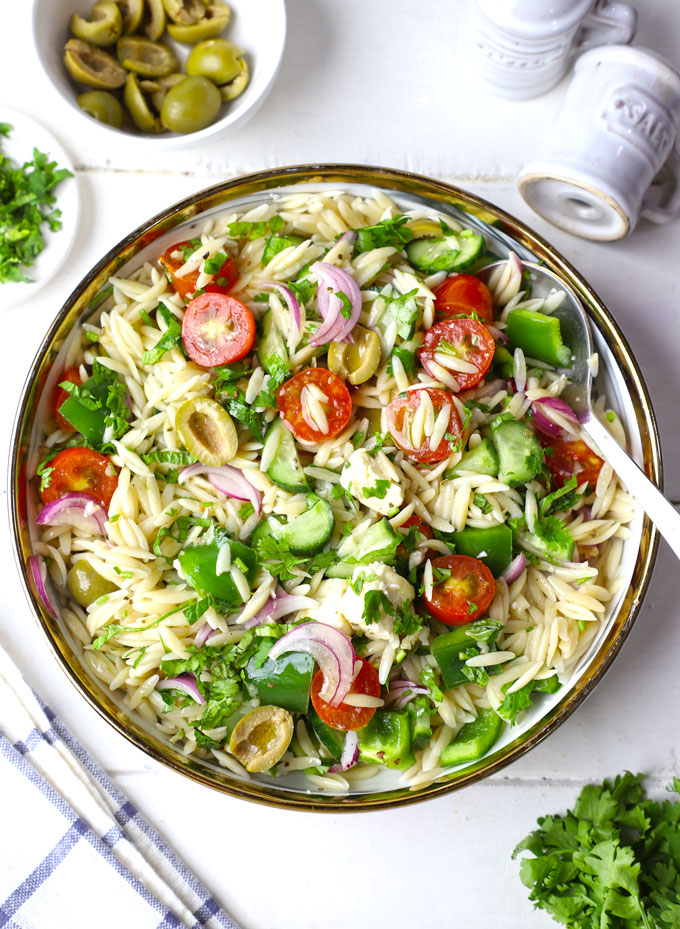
(376, 83)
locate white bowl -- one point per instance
(256, 26)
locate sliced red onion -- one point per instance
(514, 569)
(281, 604)
(335, 327)
(38, 568)
(203, 635)
(350, 754)
(227, 480)
(82, 511)
(543, 423)
(333, 652)
(498, 334)
(402, 692)
(293, 308)
(186, 684)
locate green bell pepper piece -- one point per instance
(474, 740)
(199, 567)
(447, 648)
(503, 362)
(419, 711)
(539, 336)
(284, 682)
(89, 423)
(493, 546)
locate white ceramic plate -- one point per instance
(27, 134)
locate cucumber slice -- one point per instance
(308, 533)
(271, 347)
(482, 460)
(386, 740)
(270, 526)
(503, 362)
(331, 739)
(520, 455)
(285, 469)
(277, 243)
(453, 252)
(378, 543)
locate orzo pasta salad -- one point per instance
(312, 500)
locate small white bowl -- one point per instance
(256, 26)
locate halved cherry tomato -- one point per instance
(72, 375)
(423, 531)
(217, 330)
(338, 406)
(343, 716)
(464, 592)
(400, 414)
(185, 286)
(462, 295)
(80, 469)
(568, 458)
(465, 340)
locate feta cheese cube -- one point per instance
(377, 576)
(374, 481)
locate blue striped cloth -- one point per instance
(78, 854)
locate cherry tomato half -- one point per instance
(463, 592)
(463, 340)
(462, 295)
(173, 259)
(72, 375)
(217, 330)
(568, 458)
(400, 415)
(423, 531)
(343, 716)
(337, 406)
(80, 469)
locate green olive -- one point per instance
(158, 88)
(184, 11)
(358, 360)
(374, 417)
(261, 738)
(104, 26)
(153, 19)
(232, 90)
(103, 106)
(132, 12)
(92, 66)
(191, 105)
(213, 23)
(152, 59)
(207, 431)
(216, 59)
(138, 108)
(86, 584)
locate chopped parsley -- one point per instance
(255, 230)
(390, 232)
(277, 558)
(346, 308)
(379, 489)
(171, 337)
(102, 406)
(214, 265)
(376, 603)
(480, 501)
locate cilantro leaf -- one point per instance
(562, 499)
(376, 603)
(392, 232)
(379, 489)
(171, 337)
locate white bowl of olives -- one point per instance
(172, 72)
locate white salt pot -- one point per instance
(596, 171)
(522, 48)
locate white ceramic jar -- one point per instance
(522, 48)
(597, 170)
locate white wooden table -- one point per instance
(374, 82)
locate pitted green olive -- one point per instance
(103, 106)
(86, 584)
(90, 65)
(216, 59)
(131, 12)
(184, 11)
(261, 738)
(236, 87)
(151, 59)
(104, 26)
(191, 105)
(138, 108)
(358, 360)
(158, 88)
(207, 431)
(153, 19)
(213, 23)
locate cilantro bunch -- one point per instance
(26, 204)
(613, 862)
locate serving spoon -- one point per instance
(577, 335)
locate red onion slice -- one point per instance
(543, 423)
(350, 237)
(82, 511)
(335, 327)
(186, 684)
(293, 308)
(350, 754)
(333, 652)
(402, 692)
(203, 635)
(515, 568)
(38, 568)
(227, 480)
(498, 334)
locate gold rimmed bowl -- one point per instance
(620, 378)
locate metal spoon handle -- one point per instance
(662, 513)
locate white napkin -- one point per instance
(78, 853)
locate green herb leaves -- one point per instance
(171, 337)
(26, 199)
(392, 232)
(614, 861)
